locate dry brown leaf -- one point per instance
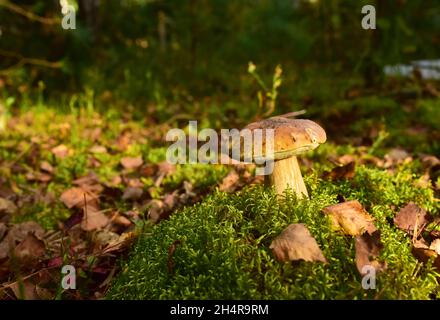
(29, 250)
(435, 246)
(26, 290)
(166, 168)
(131, 163)
(367, 248)
(351, 218)
(38, 176)
(19, 231)
(396, 156)
(3, 229)
(346, 171)
(60, 151)
(230, 182)
(411, 217)
(98, 149)
(132, 193)
(89, 183)
(7, 207)
(78, 197)
(47, 167)
(124, 241)
(120, 220)
(296, 243)
(94, 220)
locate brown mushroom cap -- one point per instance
(291, 136)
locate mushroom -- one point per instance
(292, 137)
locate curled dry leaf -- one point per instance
(131, 163)
(412, 217)
(296, 243)
(367, 248)
(351, 218)
(423, 252)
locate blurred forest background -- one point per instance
(164, 58)
(84, 114)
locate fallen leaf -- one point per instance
(131, 163)
(19, 231)
(124, 241)
(166, 168)
(47, 167)
(7, 207)
(120, 220)
(29, 250)
(229, 183)
(132, 193)
(411, 217)
(78, 197)
(296, 243)
(367, 248)
(429, 161)
(3, 229)
(98, 149)
(423, 253)
(156, 210)
(38, 176)
(435, 246)
(94, 220)
(26, 290)
(89, 183)
(105, 237)
(351, 218)
(60, 151)
(346, 171)
(396, 156)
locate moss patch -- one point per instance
(224, 246)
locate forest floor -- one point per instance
(85, 188)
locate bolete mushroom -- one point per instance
(292, 137)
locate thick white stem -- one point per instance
(286, 174)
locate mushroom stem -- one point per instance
(287, 174)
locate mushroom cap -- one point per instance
(292, 137)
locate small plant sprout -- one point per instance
(292, 137)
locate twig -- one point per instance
(24, 60)
(28, 14)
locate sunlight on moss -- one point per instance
(224, 246)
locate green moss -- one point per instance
(224, 246)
